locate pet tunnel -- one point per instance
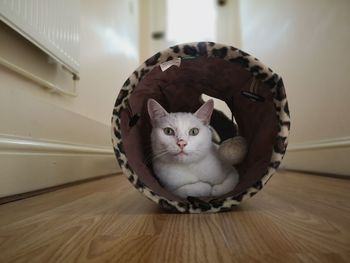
(177, 77)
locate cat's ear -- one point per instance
(155, 110)
(205, 111)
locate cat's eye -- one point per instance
(168, 131)
(193, 131)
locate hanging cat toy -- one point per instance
(164, 96)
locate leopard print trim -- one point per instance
(208, 49)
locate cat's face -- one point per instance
(180, 137)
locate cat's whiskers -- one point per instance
(159, 154)
(152, 157)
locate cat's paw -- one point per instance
(181, 192)
(217, 190)
(198, 189)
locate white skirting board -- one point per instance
(324, 156)
(28, 165)
(48, 139)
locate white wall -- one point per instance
(153, 18)
(307, 43)
(48, 139)
(109, 54)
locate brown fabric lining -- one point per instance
(179, 89)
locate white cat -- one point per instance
(184, 158)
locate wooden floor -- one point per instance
(296, 218)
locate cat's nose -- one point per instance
(181, 144)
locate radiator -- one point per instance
(52, 25)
